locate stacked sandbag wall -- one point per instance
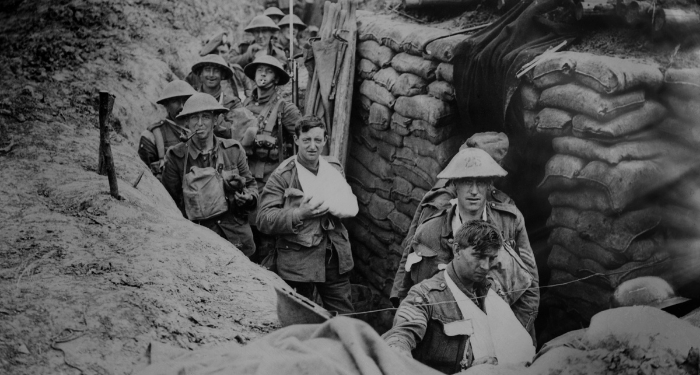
(404, 131)
(623, 183)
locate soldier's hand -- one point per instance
(309, 210)
(253, 49)
(228, 175)
(242, 198)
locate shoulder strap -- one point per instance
(184, 170)
(160, 144)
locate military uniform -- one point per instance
(420, 324)
(232, 225)
(149, 148)
(300, 263)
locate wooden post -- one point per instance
(341, 115)
(106, 161)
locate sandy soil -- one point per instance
(89, 283)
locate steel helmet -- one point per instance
(200, 102)
(215, 60)
(472, 163)
(213, 43)
(273, 12)
(176, 89)
(495, 144)
(296, 21)
(268, 60)
(261, 22)
(647, 291)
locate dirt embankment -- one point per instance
(86, 281)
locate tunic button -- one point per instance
(493, 192)
(419, 253)
(450, 240)
(493, 204)
(442, 285)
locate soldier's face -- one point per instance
(211, 76)
(284, 33)
(174, 106)
(471, 193)
(202, 123)
(265, 76)
(262, 36)
(311, 143)
(474, 265)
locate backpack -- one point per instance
(203, 190)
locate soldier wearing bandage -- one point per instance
(514, 275)
(455, 320)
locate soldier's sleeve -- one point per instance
(410, 322)
(290, 117)
(172, 180)
(527, 306)
(242, 60)
(272, 217)
(250, 185)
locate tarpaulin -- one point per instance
(339, 346)
(485, 64)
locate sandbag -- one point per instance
(377, 93)
(379, 55)
(583, 100)
(417, 194)
(412, 174)
(375, 165)
(683, 221)
(387, 137)
(357, 173)
(442, 152)
(386, 78)
(627, 123)
(610, 75)
(405, 63)
(386, 151)
(400, 36)
(424, 163)
(400, 222)
(400, 124)
(362, 235)
(443, 49)
(680, 130)
(434, 135)
(366, 69)
(563, 259)
(584, 198)
(363, 196)
(379, 117)
(683, 83)
(424, 107)
(685, 109)
(564, 217)
(612, 154)
(380, 208)
(584, 291)
(409, 84)
(407, 208)
(445, 72)
(631, 180)
(557, 69)
(365, 103)
(569, 239)
(560, 171)
(401, 190)
(529, 96)
(553, 122)
(441, 90)
(366, 219)
(617, 233)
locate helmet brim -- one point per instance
(249, 71)
(225, 69)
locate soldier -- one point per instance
(263, 29)
(276, 120)
(454, 320)
(283, 41)
(274, 13)
(157, 138)
(302, 204)
(515, 276)
(208, 177)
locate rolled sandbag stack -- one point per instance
(404, 131)
(611, 162)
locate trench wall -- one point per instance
(621, 183)
(404, 131)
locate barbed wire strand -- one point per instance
(512, 291)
